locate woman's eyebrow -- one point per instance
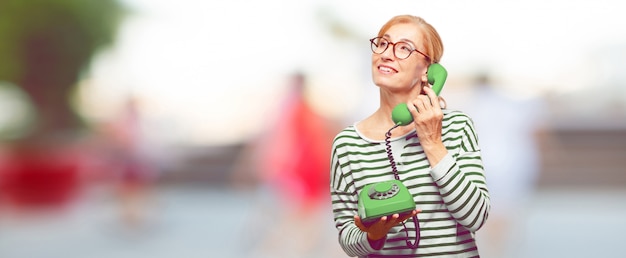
(402, 39)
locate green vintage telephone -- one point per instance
(437, 76)
(392, 197)
(384, 199)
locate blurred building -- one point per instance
(586, 143)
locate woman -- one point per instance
(436, 157)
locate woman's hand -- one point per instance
(379, 229)
(427, 118)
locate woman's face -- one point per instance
(396, 74)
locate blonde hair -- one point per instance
(432, 41)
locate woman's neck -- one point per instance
(378, 124)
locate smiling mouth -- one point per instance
(386, 69)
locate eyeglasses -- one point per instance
(401, 50)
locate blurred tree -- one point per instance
(45, 46)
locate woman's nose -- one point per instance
(388, 53)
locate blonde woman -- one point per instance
(437, 157)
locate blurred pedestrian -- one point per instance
(290, 160)
(136, 171)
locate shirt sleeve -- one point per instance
(461, 181)
(344, 204)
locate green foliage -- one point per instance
(79, 28)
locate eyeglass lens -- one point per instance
(401, 50)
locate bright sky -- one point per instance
(212, 72)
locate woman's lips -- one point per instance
(386, 69)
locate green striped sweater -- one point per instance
(453, 195)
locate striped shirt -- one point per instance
(452, 195)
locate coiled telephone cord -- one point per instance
(394, 169)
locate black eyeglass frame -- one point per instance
(394, 48)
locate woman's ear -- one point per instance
(424, 78)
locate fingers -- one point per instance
(422, 103)
(413, 109)
(390, 221)
(431, 94)
(426, 110)
(385, 222)
(381, 227)
(395, 218)
(427, 101)
(359, 223)
(407, 216)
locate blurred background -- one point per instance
(150, 128)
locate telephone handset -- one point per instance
(437, 75)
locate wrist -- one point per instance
(371, 237)
(435, 152)
(378, 243)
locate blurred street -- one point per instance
(211, 222)
(182, 222)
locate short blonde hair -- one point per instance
(432, 41)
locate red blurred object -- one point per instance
(36, 178)
(295, 153)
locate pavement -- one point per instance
(190, 222)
